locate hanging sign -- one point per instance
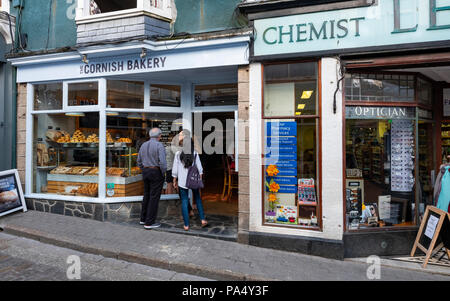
(11, 195)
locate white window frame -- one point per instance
(186, 110)
(143, 6)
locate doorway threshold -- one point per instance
(219, 226)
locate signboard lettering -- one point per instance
(387, 22)
(123, 65)
(361, 112)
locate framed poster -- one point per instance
(11, 194)
(446, 102)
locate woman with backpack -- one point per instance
(187, 174)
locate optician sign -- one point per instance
(388, 22)
(361, 112)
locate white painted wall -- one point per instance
(332, 156)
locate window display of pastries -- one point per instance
(61, 170)
(88, 190)
(92, 139)
(79, 170)
(78, 137)
(125, 140)
(92, 172)
(64, 139)
(115, 172)
(109, 138)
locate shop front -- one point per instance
(87, 113)
(353, 131)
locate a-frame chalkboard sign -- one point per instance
(434, 233)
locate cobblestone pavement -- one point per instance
(23, 259)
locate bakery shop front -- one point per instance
(87, 112)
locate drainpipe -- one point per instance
(14, 119)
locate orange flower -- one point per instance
(274, 187)
(272, 198)
(272, 170)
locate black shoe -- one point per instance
(152, 226)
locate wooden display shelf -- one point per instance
(120, 190)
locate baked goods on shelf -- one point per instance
(92, 139)
(88, 190)
(135, 171)
(79, 170)
(115, 172)
(61, 170)
(109, 138)
(125, 140)
(64, 139)
(78, 137)
(92, 172)
(53, 135)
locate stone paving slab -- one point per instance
(210, 258)
(23, 259)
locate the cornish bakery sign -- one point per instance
(386, 22)
(98, 68)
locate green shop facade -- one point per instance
(349, 123)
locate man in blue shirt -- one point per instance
(152, 161)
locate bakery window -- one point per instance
(83, 94)
(125, 94)
(165, 96)
(216, 95)
(65, 154)
(48, 97)
(291, 130)
(126, 132)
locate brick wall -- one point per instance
(244, 189)
(123, 28)
(21, 130)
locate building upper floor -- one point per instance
(45, 25)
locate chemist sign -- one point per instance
(385, 23)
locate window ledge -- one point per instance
(127, 13)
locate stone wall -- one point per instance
(123, 28)
(244, 192)
(116, 212)
(21, 130)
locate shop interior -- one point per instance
(391, 164)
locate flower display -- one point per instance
(272, 170)
(274, 187)
(272, 198)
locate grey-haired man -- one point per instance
(152, 161)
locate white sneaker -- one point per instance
(155, 225)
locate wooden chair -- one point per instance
(225, 176)
(232, 178)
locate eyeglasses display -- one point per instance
(402, 158)
(380, 173)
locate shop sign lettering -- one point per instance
(123, 65)
(387, 22)
(360, 112)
